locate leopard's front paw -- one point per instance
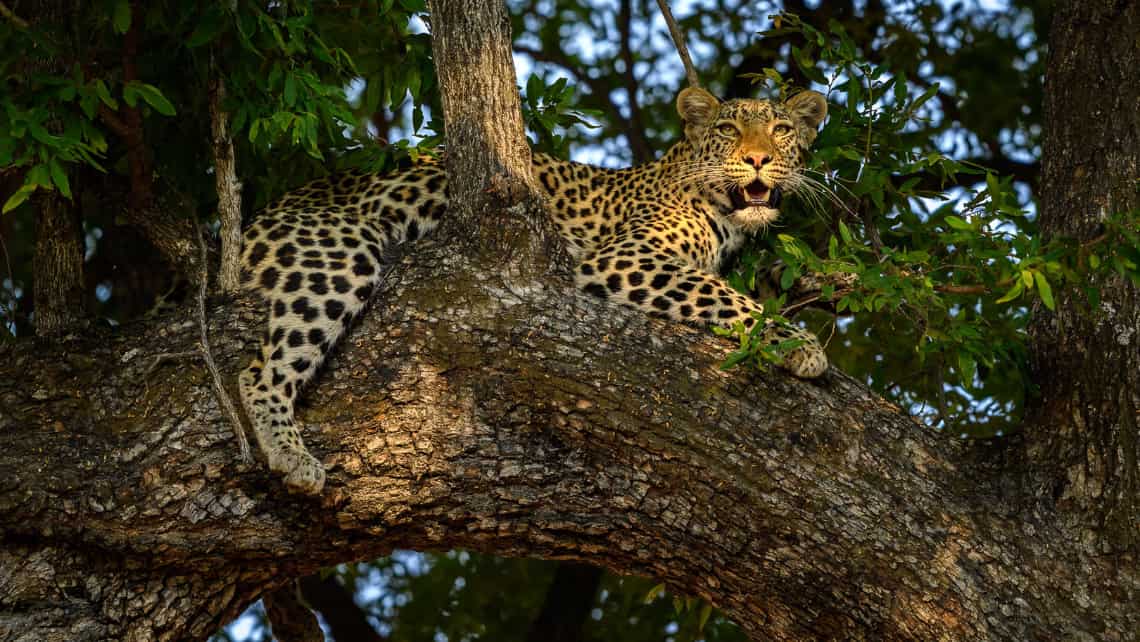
(807, 360)
(303, 473)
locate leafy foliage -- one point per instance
(946, 278)
(460, 596)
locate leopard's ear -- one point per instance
(808, 109)
(696, 106)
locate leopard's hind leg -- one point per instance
(314, 288)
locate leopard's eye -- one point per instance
(781, 129)
(727, 129)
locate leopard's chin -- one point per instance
(754, 218)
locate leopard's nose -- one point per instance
(758, 160)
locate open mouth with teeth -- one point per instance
(755, 194)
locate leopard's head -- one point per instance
(748, 153)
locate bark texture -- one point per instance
(527, 421)
(490, 185)
(57, 267)
(57, 264)
(1083, 443)
(228, 187)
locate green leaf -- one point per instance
(1027, 278)
(129, 95)
(533, 88)
(967, 368)
(59, 178)
(39, 176)
(290, 92)
(733, 359)
(846, 234)
(1093, 294)
(121, 16)
(992, 184)
(208, 28)
(17, 199)
(1013, 293)
(654, 593)
(703, 619)
(958, 223)
(153, 97)
(105, 94)
(1045, 291)
(788, 277)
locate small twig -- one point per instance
(204, 345)
(13, 18)
(679, 41)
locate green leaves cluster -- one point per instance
(946, 272)
(285, 67)
(548, 109)
(754, 349)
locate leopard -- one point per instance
(652, 237)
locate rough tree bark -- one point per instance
(508, 414)
(57, 267)
(1082, 443)
(500, 217)
(521, 422)
(228, 187)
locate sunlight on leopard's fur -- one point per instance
(651, 237)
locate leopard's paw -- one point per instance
(807, 361)
(304, 473)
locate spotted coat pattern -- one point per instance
(651, 237)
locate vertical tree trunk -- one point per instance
(229, 189)
(57, 264)
(471, 44)
(1082, 438)
(57, 267)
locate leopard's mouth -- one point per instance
(755, 194)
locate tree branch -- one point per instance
(170, 233)
(679, 42)
(567, 605)
(289, 618)
(518, 418)
(227, 185)
(11, 16)
(347, 622)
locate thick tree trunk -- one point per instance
(57, 267)
(494, 198)
(1082, 442)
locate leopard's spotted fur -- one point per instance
(651, 237)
